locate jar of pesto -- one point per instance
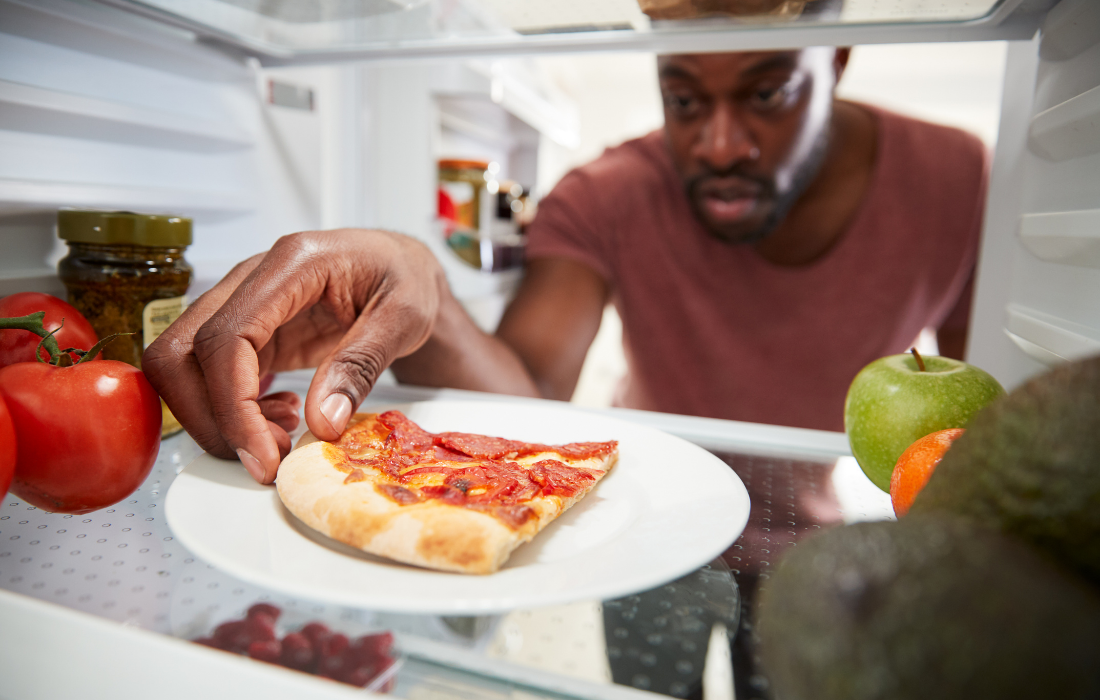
(126, 273)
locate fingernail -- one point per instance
(337, 409)
(251, 464)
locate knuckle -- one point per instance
(214, 443)
(155, 360)
(298, 246)
(360, 366)
(413, 314)
(211, 337)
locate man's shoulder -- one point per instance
(629, 164)
(919, 146)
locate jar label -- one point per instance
(158, 315)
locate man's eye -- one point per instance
(771, 98)
(681, 104)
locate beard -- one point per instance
(772, 204)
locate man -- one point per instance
(763, 247)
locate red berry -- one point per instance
(297, 652)
(361, 676)
(268, 609)
(315, 632)
(260, 628)
(269, 651)
(335, 645)
(206, 642)
(332, 662)
(232, 636)
(376, 644)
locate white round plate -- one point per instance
(667, 508)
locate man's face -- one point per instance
(748, 132)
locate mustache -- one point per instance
(757, 185)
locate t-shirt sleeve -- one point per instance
(573, 223)
(958, 317)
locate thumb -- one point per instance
(346, 377)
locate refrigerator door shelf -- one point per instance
(1049, 339)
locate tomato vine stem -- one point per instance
(58, 357)
(34, 324)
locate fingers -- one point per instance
(172, 368)
(396, 322)
(347, 376)
(227, 344)
(281, 409)
(383, 288)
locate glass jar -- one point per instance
(126, 273)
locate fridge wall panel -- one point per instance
(90, 123)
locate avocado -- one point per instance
(1029, 465)
(929, 607)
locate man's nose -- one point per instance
(724, 141)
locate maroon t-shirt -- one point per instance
(713, 329)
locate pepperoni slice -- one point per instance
(445, 493)
(388, 465)
(438, 469)
(585, 450)
(556, 479)
(483, 446)
(355, 476)
(399, 494)
(444, 454)
(514, 516)
(407, 437)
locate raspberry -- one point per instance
(232, 636)
(260, 628)
(361, 676)
(268, 609)
(297, 652)
(269, 651)
(376, 645)
(313, 649)
(332, 662)
(335, 645)
(316, 632)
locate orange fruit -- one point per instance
(916, 465)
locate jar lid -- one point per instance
(123, 228)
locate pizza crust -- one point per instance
(430, 533)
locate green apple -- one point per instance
(894, 401)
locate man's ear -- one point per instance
(840, 60)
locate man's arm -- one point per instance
(538, 349)
(351, 303)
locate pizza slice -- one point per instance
(449, 501)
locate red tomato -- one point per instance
(7, 449)
(18, 346)
(87, 435)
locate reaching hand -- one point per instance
(348, 302)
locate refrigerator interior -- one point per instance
(124, 105)
(261, 125)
